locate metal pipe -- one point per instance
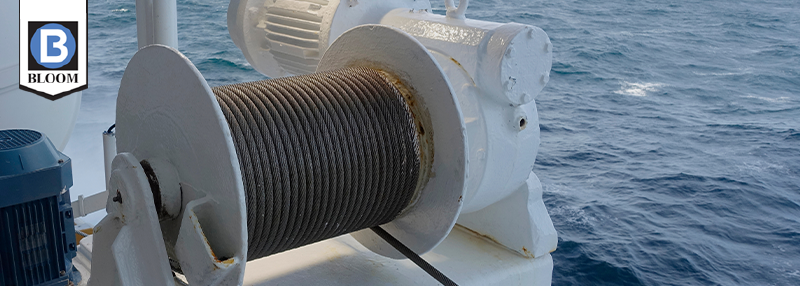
(109, 152)
(157, 22)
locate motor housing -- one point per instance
(38, 240)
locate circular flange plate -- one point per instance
(435, 212)
(166, 110)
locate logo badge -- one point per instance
(53, 53)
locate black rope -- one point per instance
(111, 129)
(407, 252)
(321, 155)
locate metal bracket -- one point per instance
(519, 222)
(130, 232)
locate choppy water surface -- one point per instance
(670, 130)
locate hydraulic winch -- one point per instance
(394, 125)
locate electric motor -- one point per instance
(37, 243)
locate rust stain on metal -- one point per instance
(227, 262)
(481, 235)
(527, 253)
(464, 70)
(224, 261)
(455, 61)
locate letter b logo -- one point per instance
(53, 46)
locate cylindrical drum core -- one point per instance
(321, 155)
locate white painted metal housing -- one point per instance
(479, 81)
(168, 114)
(288, 37)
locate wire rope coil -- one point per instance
(321, 155)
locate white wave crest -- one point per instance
(770, 99)
(638, 89)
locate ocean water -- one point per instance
(670, 149)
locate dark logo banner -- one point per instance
(53, 58)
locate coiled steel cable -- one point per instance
(321, 155)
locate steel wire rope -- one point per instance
(321, 155)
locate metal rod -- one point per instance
(84, 206)
(109, 152)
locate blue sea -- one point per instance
(670, 149)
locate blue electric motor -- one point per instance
(37, 234)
